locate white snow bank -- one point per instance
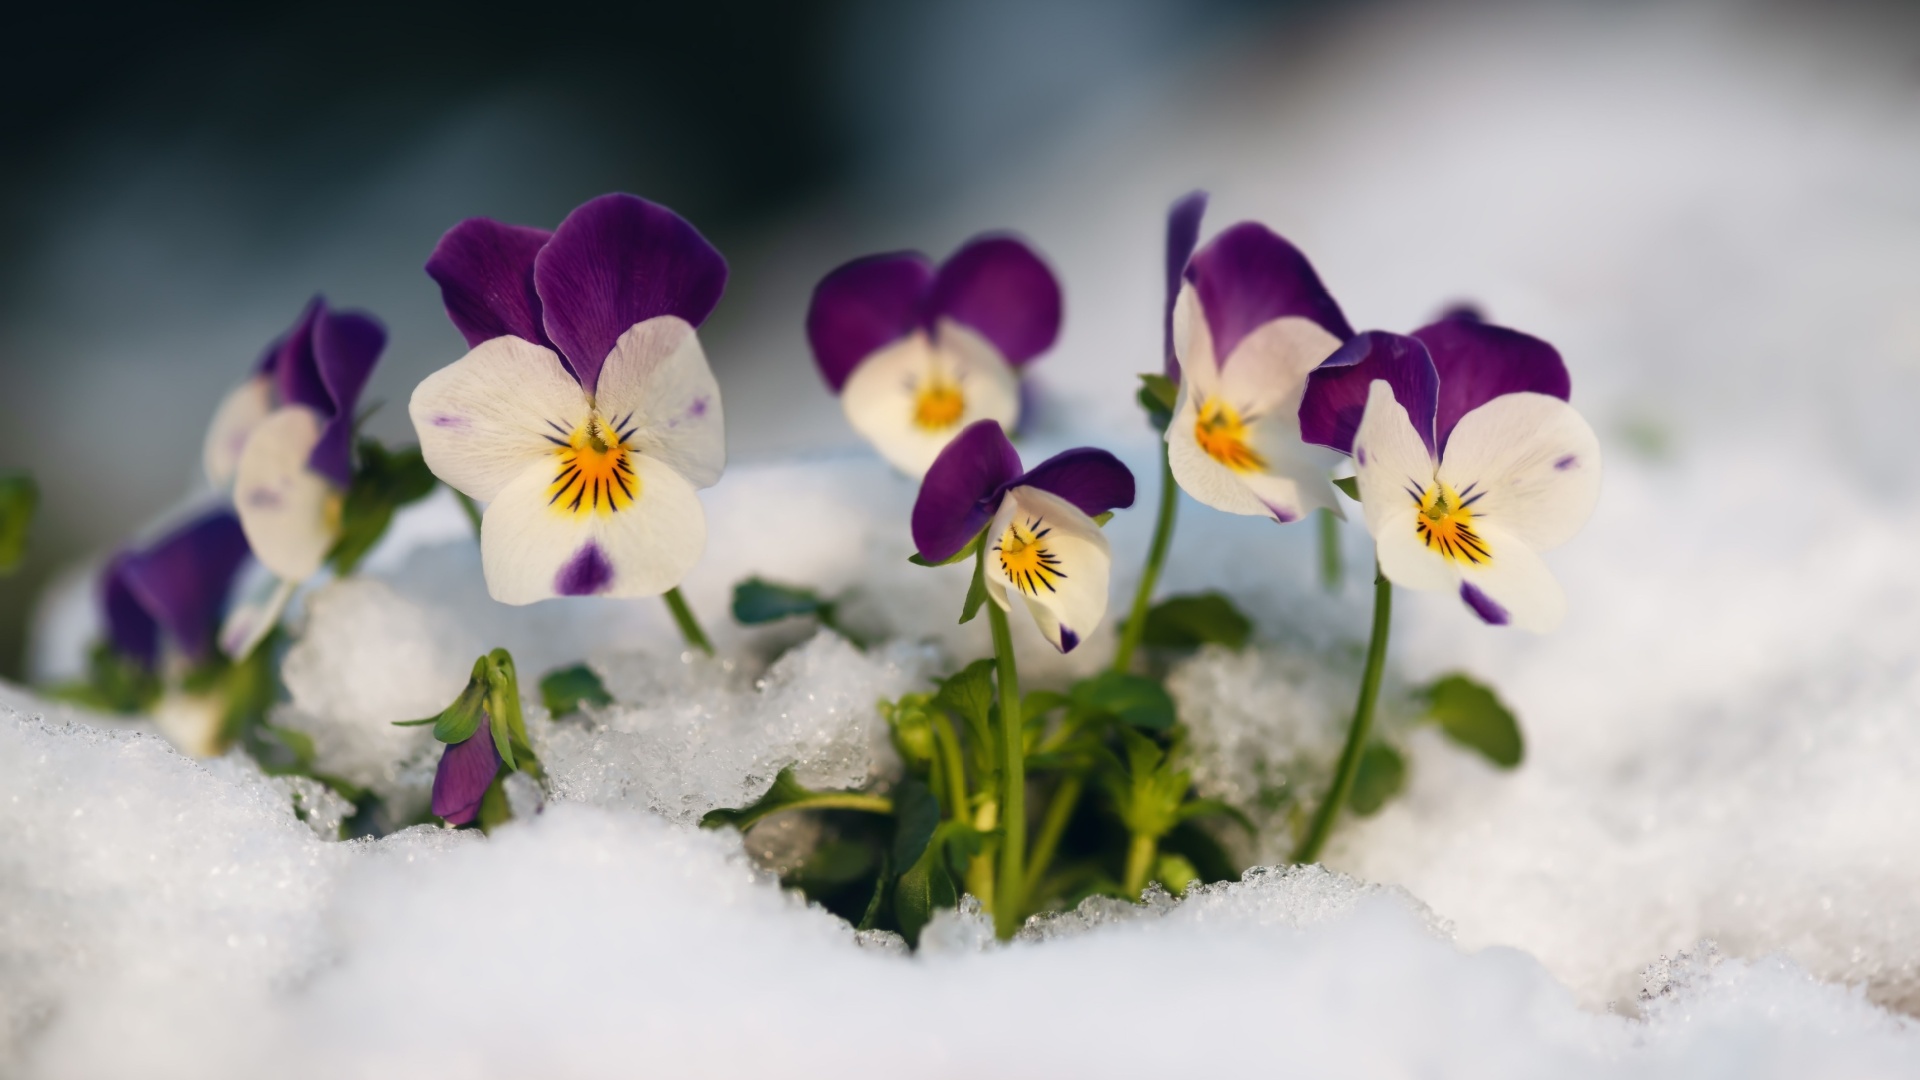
(166, 918)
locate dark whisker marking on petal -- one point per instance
(558, 428)
(624, 489)
(1464, 503)
(554, 441)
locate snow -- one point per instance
(1704, 867)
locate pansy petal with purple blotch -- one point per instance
(132, 631)
(1183, 233)
(233, 422)
(1092, 480)
(1249, 276)
(1478, 362)
(959, 495)
(660, 398)
(485, 272)
(182, 580)
(617, 261)
(467, 769)
(1532, 465)
(490, 415)
(291, 514)
(913, 397)
(1336, 394)
(1055, 558)
(999, 288)
(864, 306)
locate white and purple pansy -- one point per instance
(918, 353)
(284, 438)
(585, 416)
(1469, 460)
(1251, 321)
(1037, 525)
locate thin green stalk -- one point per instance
(1156, 557)
(1331, 568)
(1323, 818)
(689, 626)
(1010, 889)
(1059, 812)
(948, 745)
(1140, 855)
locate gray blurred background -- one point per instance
(180, 180)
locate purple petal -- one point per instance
(1183, 232)
(1462, 309)
(182, 581)
(1478, 362)
(1090, 479)
(1483, 605)
(585, 574)
(961, 490)
(485, 272)
(1336, 394)
(617, 261)
(999, 288)
(466, 770)
(1248, 277)
(130, 630)
(864, 306)
(346, 346)
(295, 367)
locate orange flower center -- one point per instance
(938, 404)
(1223, 435)
(593, 470)
(1024, 557)
(1445, 524)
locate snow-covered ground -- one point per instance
(1712, 209)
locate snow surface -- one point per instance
(1711, 208)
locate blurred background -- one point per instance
(1670, 186)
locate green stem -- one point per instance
(689, 626)
(1140, 855)
(1331, 570)
(1009, 889)
(1323, 818)
(1059, 812)
(839, 800)
(1150, 576)
(949, 748)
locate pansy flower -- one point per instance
(585, 415)
(1469, 460)
(284, 438)
(1251, 321)
(1042, 542)
(918, 353)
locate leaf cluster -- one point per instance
(383, 481)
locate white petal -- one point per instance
(483, 419)
(1390, 462)
(1517, 579)
(1404, 558)
(290, 513)
(253, 618)
(1536, 461)
(656, 384)
(533, 549)
(239, 413)
(1267, 373)
(191, 722)
(1193, 344)
(1292, 483)
(1059, 562)
(882, 401)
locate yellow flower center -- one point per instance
(1445, 524)
(593, 470)
(1223, 435)
(938, 404)
(1025, 559)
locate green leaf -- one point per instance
(1175, 872)
(969, 693)
(113, 683)
(1103, 517)
(494, 811)
(1382, 773)
(968, 552)
(564, 690)
(383, 482)
(458, 721)
(1194, 809)
(1158, 395)
(916, 816)
(1188, 622)
(19, 498)
(786, 793)
(976, 592)
(1473, 716)
(1133, 699)
(910, 719)
(1350, 486)
(757, 600)
(832, 866)
(923, 889)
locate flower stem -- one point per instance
(689, 626)
(1059, 812)
(1156, 557)
(1323, 818)
(1331, 570)
(1140, 855)
(956, 772)
(1009, 890)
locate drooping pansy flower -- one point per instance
(1470, 461)
(585, 415)
(284, 438)
(1038, 526)
(1252, 320)
(918, 353)
(162, 605)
